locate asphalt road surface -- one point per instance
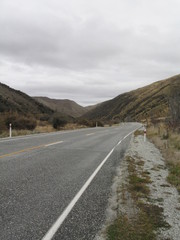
(56, 186)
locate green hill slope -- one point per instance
(160, 99)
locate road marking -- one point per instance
(50, 144)
(49, 235)
(30, 136)
(21, 151)
(29, 149)
(89, 134)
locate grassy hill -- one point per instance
(12, 100)
(160, 99)
(64, 106)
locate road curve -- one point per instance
(40, 175)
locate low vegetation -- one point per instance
(23, 124)
(146, 218)
(90, 123)
(167, 139)
(58, 123)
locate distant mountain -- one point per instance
(64, 106)
(160, 99)
(12, 100)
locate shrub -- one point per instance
(44, 117)
(100, 124)
(90, 123)
(2, 125)
(21, 122)
(58, 122)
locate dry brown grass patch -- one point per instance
(170, 149)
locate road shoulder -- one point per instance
(142, 204)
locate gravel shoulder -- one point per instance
(161, 194)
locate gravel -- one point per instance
(162, 193)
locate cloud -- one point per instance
(87, 50)
(60, 44)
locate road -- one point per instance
(56, 186)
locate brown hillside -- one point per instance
(64, 106)
(160, 99)
(12, 100)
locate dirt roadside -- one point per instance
(143, 205)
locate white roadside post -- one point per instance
(144, 134)
(10, 130)
(96, 124)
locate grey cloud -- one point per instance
(58, 43)
(83, 95)
(86, 51)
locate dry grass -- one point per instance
(73, 126)
(126, 229)
(175, 141)
(42, 127)
(138, 179)
(169, 144)
(138, 132)
(39, 129)
(148, 218)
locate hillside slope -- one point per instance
(159, 99)
(64, 106)
(12, 100)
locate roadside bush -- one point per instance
(44, 118)
(21, 122)
(2, 125)
(100, 124)
(84, 122)
(58, 122)
(90, 123)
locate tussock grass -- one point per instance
(127, 229)
(148, 218)
(42, 127)
(39, 129)
(143, 227)
(174, 175)
(170, 148)
(137, 179)
(138, 132)
(175, 141)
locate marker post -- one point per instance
(10, 130)
(144, 134)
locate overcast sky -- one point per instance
(87, 50)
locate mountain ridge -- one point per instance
(154, 100)
(12, 100)
(65, 106)
(159, 99)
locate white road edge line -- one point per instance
(49, 235)
(50, 144)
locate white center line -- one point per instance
(89, 134)
(49, 235)
(50, 144)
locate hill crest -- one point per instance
(159, 99)
(12, 100)
(65, 106)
